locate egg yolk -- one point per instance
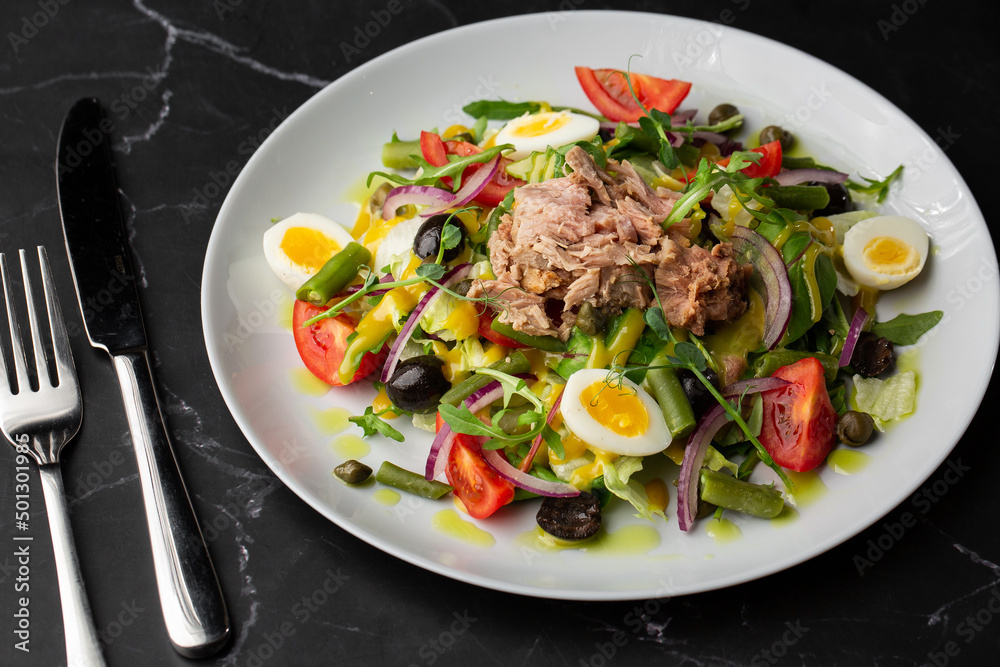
(618, 409)
(889, 255)
(308, 248)
(539, 124)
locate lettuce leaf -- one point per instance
(886, 400)
(616, 479)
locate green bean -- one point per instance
(724, 490)
(789, 162)
(799, 197)
(335, 275)
(391, 474)
(769, 362)
(547, 343)
(512, 365)
(397, 154)
(669, 394)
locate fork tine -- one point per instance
(63, 353)
(17, 351)
(41, 368)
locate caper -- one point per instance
(575, 518)
(872, 355)
(353, 472)
(854, 428)
(591, 319)
(377, 199)
(722, 112)
(462, 287)
(776, 133)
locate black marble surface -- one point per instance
(192, 84)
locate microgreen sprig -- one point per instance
(880, 189)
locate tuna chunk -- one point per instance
(589, 236)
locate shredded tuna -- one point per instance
(586, 236)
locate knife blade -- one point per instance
(190, 597)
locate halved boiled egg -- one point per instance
(297, 247)
(534, 132)
(618, 418)
(885, 251)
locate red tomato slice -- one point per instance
(798, 429)
(768, 166)
(487, 332)
(608, 91)
(436, 152)
(322, 345)
(476, 484)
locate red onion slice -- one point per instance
(438, 456)
(694, 456)
(770, 267)
(471, 187)
(526, 463)
(457, 273)
(542, 487)
(799, 176)
(420, 195)
(857, 326)
(752, 386)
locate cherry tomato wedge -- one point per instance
(436, 151)
(768, 166)
(487, 332)
(322, 345)
(798, 428)
(608, 90)
(481, 490)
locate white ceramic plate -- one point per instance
(321, 153)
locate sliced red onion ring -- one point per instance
(682, 116)
(711, 137)
(457, 273)
(769, 266)
(753, 386)
(526, 463)
(857, 326)
(694, 456)
(420, 195)
(525, 481)
(471, 187)
(438, 456)
(694, 453)
(799, 176)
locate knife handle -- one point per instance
(193, 608)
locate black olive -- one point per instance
(417, 384)
(722, 112)
(353, 472)
(428, 238)
(872, 355)
(840, 200)
(698, 395)
(590, 319)
(854, 428)
(575, 518)
(776, 133)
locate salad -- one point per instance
(562, 295)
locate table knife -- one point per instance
(193, 607)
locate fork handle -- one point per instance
(193, 608)
(83, 649)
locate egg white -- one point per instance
(584, 426)
(904, 231)
(568, 128)
(291, 272)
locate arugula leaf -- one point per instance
(478, 129)
(461, 420)
(906, 329)
(554, 442)
(880, 189)
(500, 109)
(371, 423)
(430, 174)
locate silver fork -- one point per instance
(38, 423)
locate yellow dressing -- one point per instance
(351, 447)
(449, 523)
(808, 488)
(330, 421)
(386, 497)
(742, 334)
(847, 461)
(722, 530)
(462, 320)
(306, 383)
